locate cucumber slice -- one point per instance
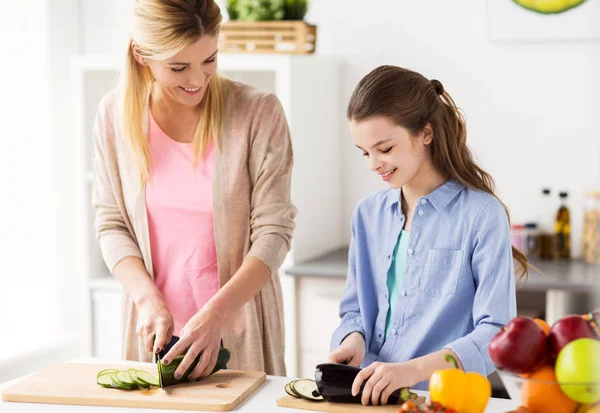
(306, 389)
(121, 380)
(146, 378)
(288, 390)
(133, 373)
(105, 380)
(105, 371)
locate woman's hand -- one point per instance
(201, 335)
(382, 379)
(352, 351)
(155, 323)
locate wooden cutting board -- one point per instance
(76, 384)
(296, 403)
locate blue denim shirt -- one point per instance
(459, 283)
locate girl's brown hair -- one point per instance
(412, 101)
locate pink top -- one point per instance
(180, 224)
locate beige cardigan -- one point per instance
(253, 216)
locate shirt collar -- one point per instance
(439, 197)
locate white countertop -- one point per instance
(263, 401)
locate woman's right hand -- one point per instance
(155, 323)
(352, 351)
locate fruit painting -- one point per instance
(542, 20)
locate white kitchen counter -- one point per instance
(263, 401)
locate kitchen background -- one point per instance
(531, 102)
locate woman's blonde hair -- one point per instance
(161, 29)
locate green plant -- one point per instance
(295, 9)
(259, 10)
(232, 9)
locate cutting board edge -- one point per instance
(123, 403)
(293, 403)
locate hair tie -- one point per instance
(439, 88)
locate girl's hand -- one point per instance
(351, 351)
(154, 323)
(201, 335)
(382, 379)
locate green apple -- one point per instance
(578, 370)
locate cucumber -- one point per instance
(121, 380)
(133, 373)
(306, 389)
(105, 371)
(147, 378)
(166, 373)
(105, 380)
(131, 379)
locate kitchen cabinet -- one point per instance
(318, 308)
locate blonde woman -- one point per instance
(192, 196)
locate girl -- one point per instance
(192, 196)
(430, 261)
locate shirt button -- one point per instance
(411, 251)
(380, 335)
(423, 201)
(393, 332)
(404, 293)
(421, 212)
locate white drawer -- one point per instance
(308, 362)
(107, 323)
(318, 311)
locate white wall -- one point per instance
(530, 107)
(27, 275)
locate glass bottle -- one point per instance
(562, 228)
(547, 239)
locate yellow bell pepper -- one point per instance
(455, 389)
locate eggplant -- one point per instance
(334, 382)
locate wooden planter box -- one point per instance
(289, 37)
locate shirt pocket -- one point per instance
(441, 272)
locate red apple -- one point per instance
(566, 330)
(520, 347)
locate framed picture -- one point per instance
(543, 20)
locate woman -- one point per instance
(192, 196)
(431, 263)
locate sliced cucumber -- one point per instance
(105, 371)
(131, 379)
(105, 380)
(147, 378)
(121, 380)
(306, 389)
(133, 373)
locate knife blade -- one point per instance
(159, 368)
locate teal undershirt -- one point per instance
(395, 277)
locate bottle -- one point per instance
(518, 236)
(547, 239)
(562, 228)
(531, 241)
(591, 227)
